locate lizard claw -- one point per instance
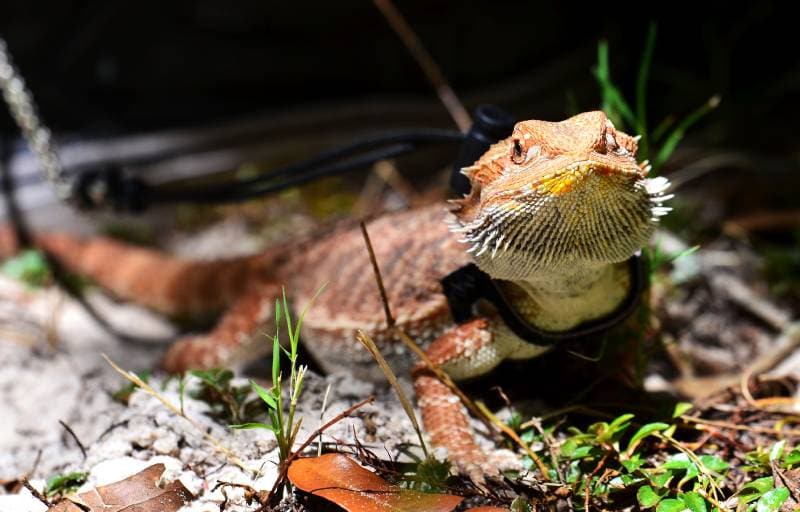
(475, 465)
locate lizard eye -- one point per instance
(517, 155)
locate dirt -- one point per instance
(56, 389)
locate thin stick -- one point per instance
(384, 298)
(75, 437)
(35, 492)
(745, 428)
(412, 345)
(369, 344)
(296, 453)
(432, 71)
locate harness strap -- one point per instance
(465, 286)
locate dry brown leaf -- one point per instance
(341, 480)
(137, 493)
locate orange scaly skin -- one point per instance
(554, 212)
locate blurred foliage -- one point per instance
(609, 465)
(658, 144)
(782, 267)
(29, 266)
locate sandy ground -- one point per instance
(52, 371)
(66, 379)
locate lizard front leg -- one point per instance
(239, 336)
(467, 350)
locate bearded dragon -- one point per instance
(554, 213)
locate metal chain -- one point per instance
(36, 134)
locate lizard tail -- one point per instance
(154, 279)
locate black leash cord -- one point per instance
(130, 193)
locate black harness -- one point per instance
(467, 285)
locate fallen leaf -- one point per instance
(340, 479)
(137, 493)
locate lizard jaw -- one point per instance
(582, 217)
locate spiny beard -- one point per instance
(606, 220)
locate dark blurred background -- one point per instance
(113, 66)
(317, 73)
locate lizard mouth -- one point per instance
(568, 179)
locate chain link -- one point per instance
(37, 135)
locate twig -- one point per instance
(35, 492)
(746, 428)
(322, 415)
(384, 298)
(776, 471)
(412, 345)
(432, 71)
(762, 221)
(369, 344)
(597, 468)
(296, 453)
(75, 437)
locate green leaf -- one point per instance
(713, 463)
(615, 429)
(661, 479)
(647, 496)
(265, 395)
(772, 500)
(681, 408)
(677, 461)
(29, 266)
(792, 458)
(633, 463)
(691, 472)
(759, 485)
(776, 452)
(250, 426)
(65, 483)
(694, 502)
(671, 505)
(645, 431)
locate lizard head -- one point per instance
(558, 195)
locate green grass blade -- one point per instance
(641, 90)
(265, 395)
(253, 425)
(674, 138)
(613, 103)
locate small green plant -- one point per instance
(611, 466)
(280, 404)
(61, 485)
(428, 475)
(29, 266)
(656, 145)
(228, 403)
